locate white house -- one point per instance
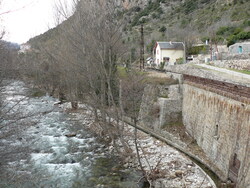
(168, 52)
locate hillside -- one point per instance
(192, 21)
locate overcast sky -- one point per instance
(27, 18)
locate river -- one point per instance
(35, 151)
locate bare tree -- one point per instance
(81, 62)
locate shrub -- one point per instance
(225, 30)
(150, 46)
(136, 9)
(195, 50)
(237, 30)
(179, 61)
(143, 20)
(162, 64)
(204, 39)
(163, 29)
(238, 15)
(190, 6)
(184, 23)
(160, 11)
(232, 39)
(243, 35)
(156, 16)
(246, 23)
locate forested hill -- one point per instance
(191, 20)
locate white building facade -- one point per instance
(168, 52)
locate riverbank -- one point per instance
(165, 166)
(41, 151)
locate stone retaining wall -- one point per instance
(217, 115)
(233, 91)
(242, 64)
(161, 105)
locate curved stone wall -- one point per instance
(217, 115)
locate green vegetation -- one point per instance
(151, 46)
(152, 7)
(164, 96)
(123, 72)
(228, 30)
(189, 20)
(238, 15)
(162, 64)
(246, 23)
(179, 61)
(190, 6)
(232, 39)
(233, 34)
(163, 29)
(241, 71)
(37, 93)
(194, 50)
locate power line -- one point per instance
(18, 9)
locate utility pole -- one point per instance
(185, 51)
(142, 49)
(211, 49)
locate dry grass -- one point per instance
(160, 80)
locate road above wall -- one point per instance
(235, 74)
(211, 72)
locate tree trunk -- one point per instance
(136, 146)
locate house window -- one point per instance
(240, 50)
(166, 59)
(158, 52)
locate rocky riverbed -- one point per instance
(170, 167)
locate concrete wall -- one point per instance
(221, 127)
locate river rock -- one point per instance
(70, 135)
(178, 173)
(172, 176)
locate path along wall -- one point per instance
(217, 115)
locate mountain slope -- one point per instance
(190, 20)
(226, 21)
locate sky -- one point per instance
(24, 19)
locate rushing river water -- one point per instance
(34, 151)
